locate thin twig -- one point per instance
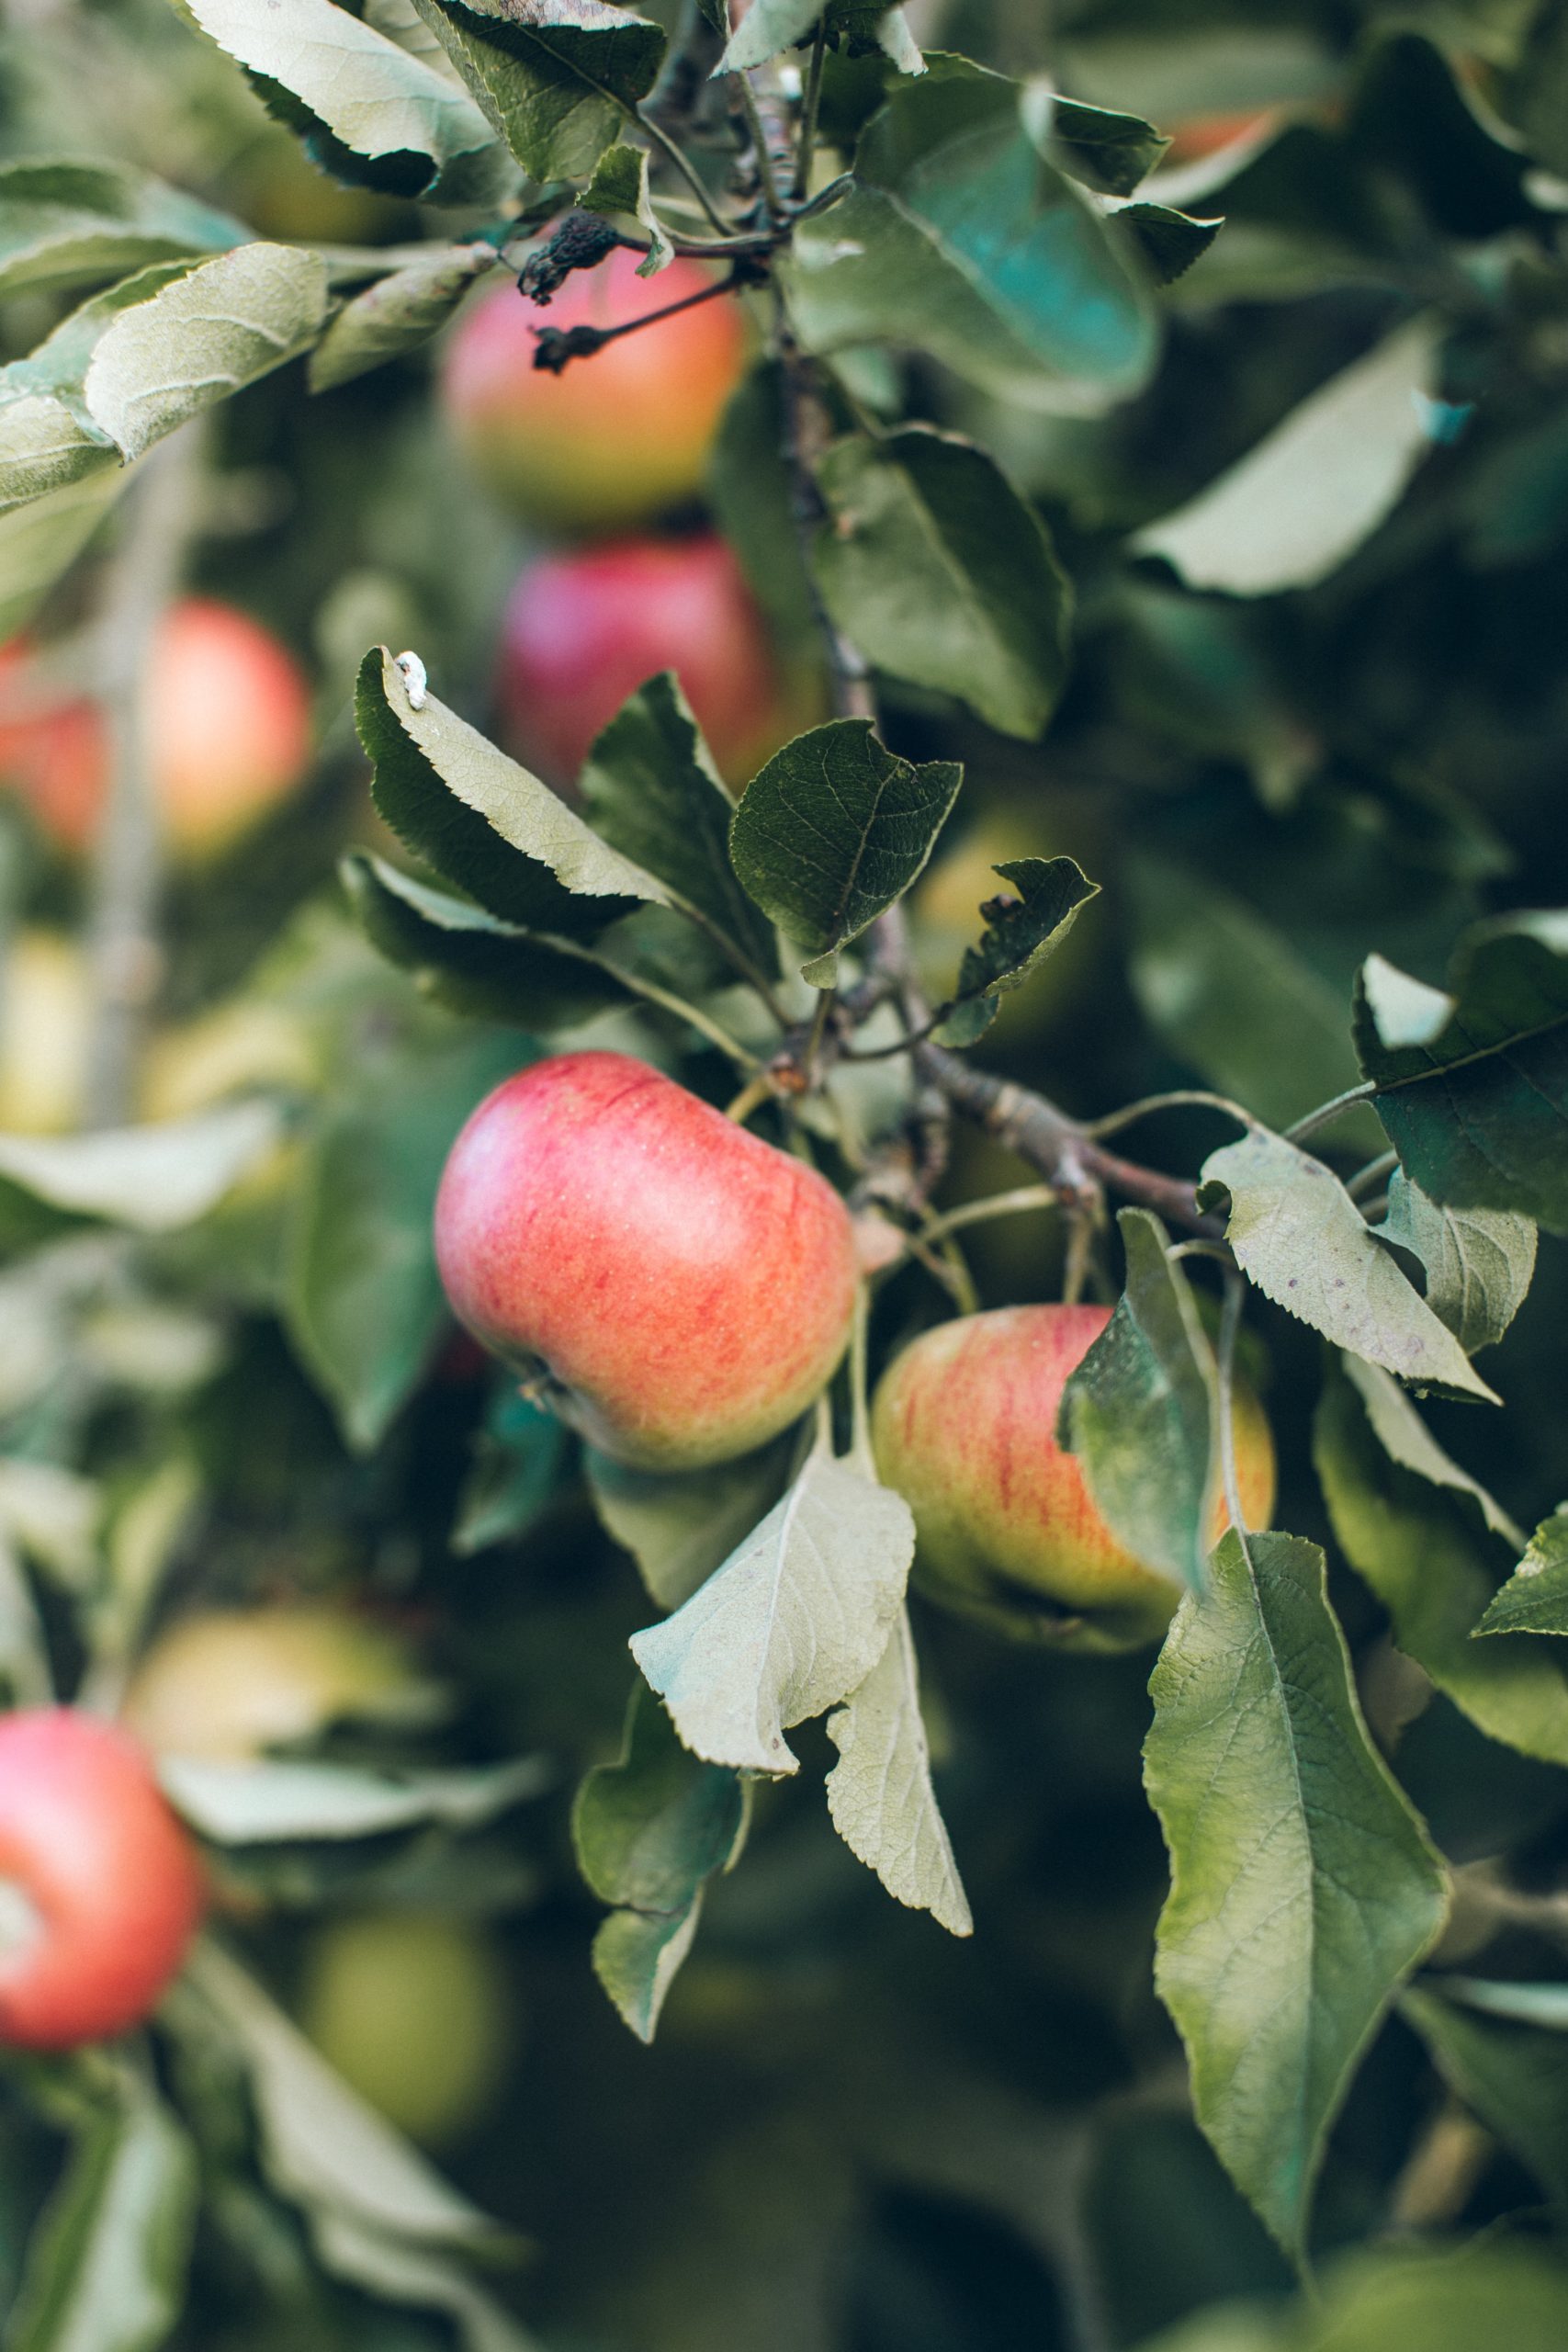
(805, 146)
(124, 950)
(759, 145)
(687, 170)
(1182, 1098)
(1326, 1111)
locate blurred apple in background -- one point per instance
(415, 2011)
(45, 1022)
(226, 1685)
(583, 630)
(615, 438)
(229, 728)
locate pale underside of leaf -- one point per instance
(880, 1793)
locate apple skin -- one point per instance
(226, 1685)
(614, 439)
(89, 1846)
(46, 1018)
(964, 1427)
(412, 2010)
(583, 630)
(685, 1289)
(229, 734)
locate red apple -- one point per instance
(229, 729)
(964, 1426)
(615, 438)
(682, 1289)
(100, 1888)
(584, 631)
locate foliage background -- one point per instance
(853, 2133)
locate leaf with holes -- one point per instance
(1024, 926)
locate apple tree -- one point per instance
(785, 1080)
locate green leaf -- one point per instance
(1021, 931)
(943, 574)
(367, 110)
(47, 438)
(961, 241)
(362, 1303)
(153, 1179)
(387, 2266)
(1141, 1412)
(40, 540)
(880, 1793)
(1544, 2005)
(648, 1831)
(1169, 241)
(220, 326)
(791, 1624)
(64, 224)
(1405, 1439)
(1432, 1566)
(467, 960)
(679, 1526)
(1109, 151)
(1296, 506)
(620, 185)
(834, 830)
(323, 2146)
(1514, 2076)
(106, 2268)
(557, 77)
(278, 1799)
(482, 820)
(518, 1457)
(1479, 1262)
(1535, 1599)
(1491, 2292)
(651, 790)
(1303, 1887)
(749, 491)
(1299, 1237)
(398, 312)
(1472, 1085)
(1232, 998)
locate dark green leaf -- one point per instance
(941, 573)
(1434, 1568)
(648, 1831)
(1479, 1262)
(106, 2269)
(680, 1526)
(961, 241)
(1141, 1412)
(1303, 1887)
(749, 491)
(397, 313)
(518, 1457)
(834, 830)
(1169, 241)
(1514, 2077)
(1020, 931)
(557, 77)
(651, 790)
(364, 1304)
(620, 185)
(1107, 150)
(64, 224)
(1535, 1599)
(482, 820)
(1405, 1439)
(367, 110)
(463, 957)
(1300, 1236)
(1472, 1085)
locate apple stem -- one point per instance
(751, 1097)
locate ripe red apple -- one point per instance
(685, 1289)
(582, 631)
(615, 438)
(229, 728)
(964, 1426)
(100, 1888)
